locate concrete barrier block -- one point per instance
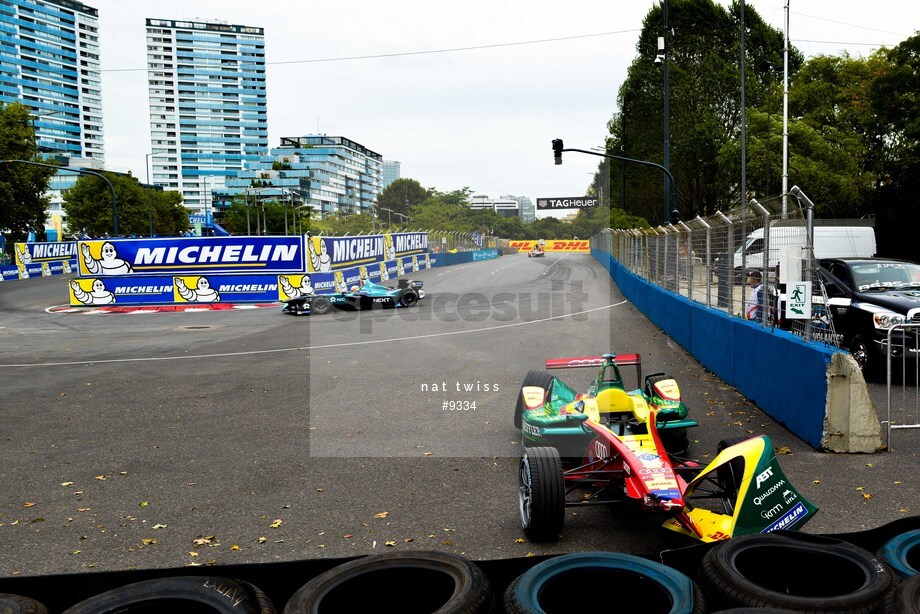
(851, 423)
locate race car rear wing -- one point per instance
(621, 360)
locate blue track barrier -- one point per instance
(743, 354)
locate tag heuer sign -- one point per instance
(568, 202)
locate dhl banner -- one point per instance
(555, 245)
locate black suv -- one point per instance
(866, 297)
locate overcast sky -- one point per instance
(482, 118)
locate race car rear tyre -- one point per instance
(541, 500)
(178, 593)
(399, 582)
(651, 380)
(320, 305)
(541, 379)
(772, 570)
(408, 298)
(646, 586)
(905, 599)
(902, 553)
(17, 604)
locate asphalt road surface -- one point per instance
(156, 440)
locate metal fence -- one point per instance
(728, 261)
(903, 341)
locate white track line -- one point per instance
(308, 347)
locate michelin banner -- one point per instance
(191, 255)
(37, 269)
(230, 288)
(331, 253)
(29, 253)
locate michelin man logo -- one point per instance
(340, 286)
(302, 287)
(400, 269)
(97, 295)
(23, 254)
(384, 274)
(415, 264)
(201, 293)
(321, 261)
(427, 261)
(388, 248)
(107, 264)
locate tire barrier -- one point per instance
(771, 570)
(220, 595)
(902, 554)
(17, 604)
(409, 582)
(776, 572)
(582, 579)
(905, 599)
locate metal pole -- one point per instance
(667, 129)
(810, 238)
(786, 112)
(708, 259)
(743, 159)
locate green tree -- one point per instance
(704, 84)
(22, 186)
(88, 205)
(400, 197)
(895, 103)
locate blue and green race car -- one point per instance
(365, 295)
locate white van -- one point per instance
(830, 242)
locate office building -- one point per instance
(504, 206)
(391, 170)
(331, 174)
(50, 62)
(208, 118)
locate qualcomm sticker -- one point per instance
(798, 301)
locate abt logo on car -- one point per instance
(763, 477)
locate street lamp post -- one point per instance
(559, 147)
(81, 171)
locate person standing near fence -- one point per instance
(754, 308)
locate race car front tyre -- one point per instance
(902, 553)
(771, 570)
(399, 582)
(541, 379)
(178, 593)
(541, 500)
(320, 305)
(408, 298)
(646, 586)
(729, 476)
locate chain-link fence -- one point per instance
(730, 262)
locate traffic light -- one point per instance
(557, 150)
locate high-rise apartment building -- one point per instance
(208, 118)
(391, 172)
(331, 174)
(49, 60)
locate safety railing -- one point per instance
(902, 348)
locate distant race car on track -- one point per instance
(613, 445)
(365, 295)
(536, 252)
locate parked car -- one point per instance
(866, 298)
